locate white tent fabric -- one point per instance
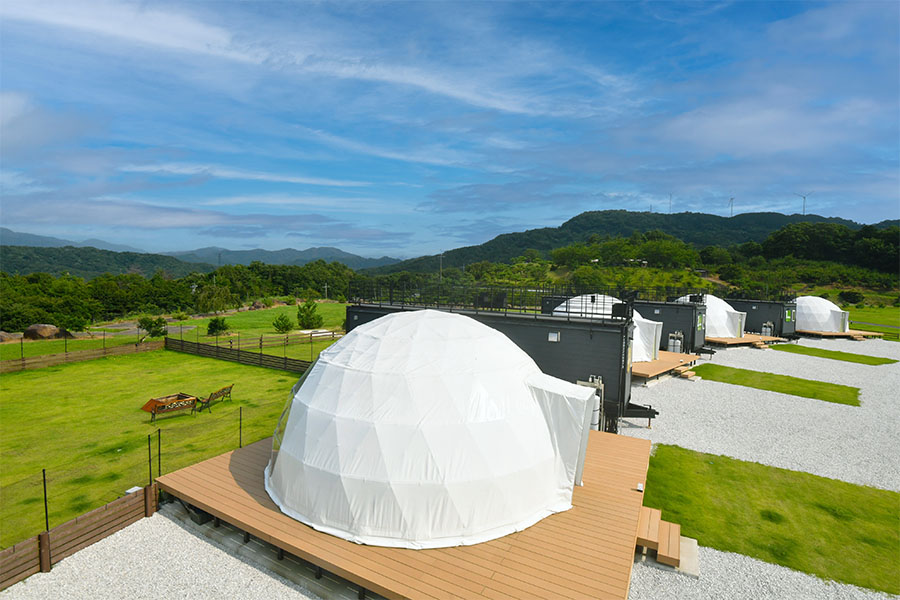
(647, 333)
(722, 321)
(427, 429)
(819, 314)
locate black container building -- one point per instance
(782, 315)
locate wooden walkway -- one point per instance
(667, 362)
(585, 552)
(852, 334)
(748, 339)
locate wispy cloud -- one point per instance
(222, 172)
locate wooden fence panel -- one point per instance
(239, 356)
(22, 560)
(48, 360)
(19, 561)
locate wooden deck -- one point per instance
(748, 340)
(853, 333)
(585, 552)
(666, 363)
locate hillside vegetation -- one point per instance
(89, 262)
(697, 229)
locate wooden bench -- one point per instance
(222, 394)
(170, 403)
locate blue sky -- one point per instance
(410, 128)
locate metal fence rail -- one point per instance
(48, 360)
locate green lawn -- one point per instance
(83, 423)
(785, 384)
(259, 322)
(836, 530)
(862, 359)
(889, 316)
(12, 350)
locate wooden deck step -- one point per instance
(648, 528)
(687, 374)
(682, 369)
(669, 550)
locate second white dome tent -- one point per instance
(647, 334)
(427, 429)
(722, 320)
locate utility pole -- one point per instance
(326, 291)
(731, 204)
(670, 203)
(441, 275)
(804, 199)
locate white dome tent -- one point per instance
(427, 429)
(722, 321)
(818, 314)
(647, 333)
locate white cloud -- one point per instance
(133, 23)
(231, 173)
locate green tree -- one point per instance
(215, 298)
(153, 327)
(308, 316)
(283, 324)
(216, 326)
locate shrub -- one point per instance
(283, 323)
(851, 297)
(307, 316)
(217, 326)
(181, 316)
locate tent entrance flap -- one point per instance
(567, 410)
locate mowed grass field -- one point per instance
(246, 324)
(836, 530)
(887, 320)
(83, 423)
(14, 350)
(259, 322)
(784, 384)
(862, 359)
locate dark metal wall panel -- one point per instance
(690, 319)
(782, 314)
(583, 348)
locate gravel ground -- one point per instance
(155, 558)
(850, 443)
(727, 575)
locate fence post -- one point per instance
(22, 347)
(149, 507)
(44, 551)
(240, 427)
(159, 452)
(149, 459)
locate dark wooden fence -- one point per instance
(48, 360)
(41, 552)
(244, 357)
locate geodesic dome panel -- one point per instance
(818, 314)
(722, 321)
(647, 334)
(426, 429)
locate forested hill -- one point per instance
(697, 228)
(90, 262)
(287, 256)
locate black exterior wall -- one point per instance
(783, 315)
(584, 348)
(689, 319)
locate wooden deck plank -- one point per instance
(586, 552)
(747, 340)
(667, 361)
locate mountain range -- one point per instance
(287, 256)
(8, 237)
(699, 229)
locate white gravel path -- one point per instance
(724, 575)
(155, 558)
(854, 444)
